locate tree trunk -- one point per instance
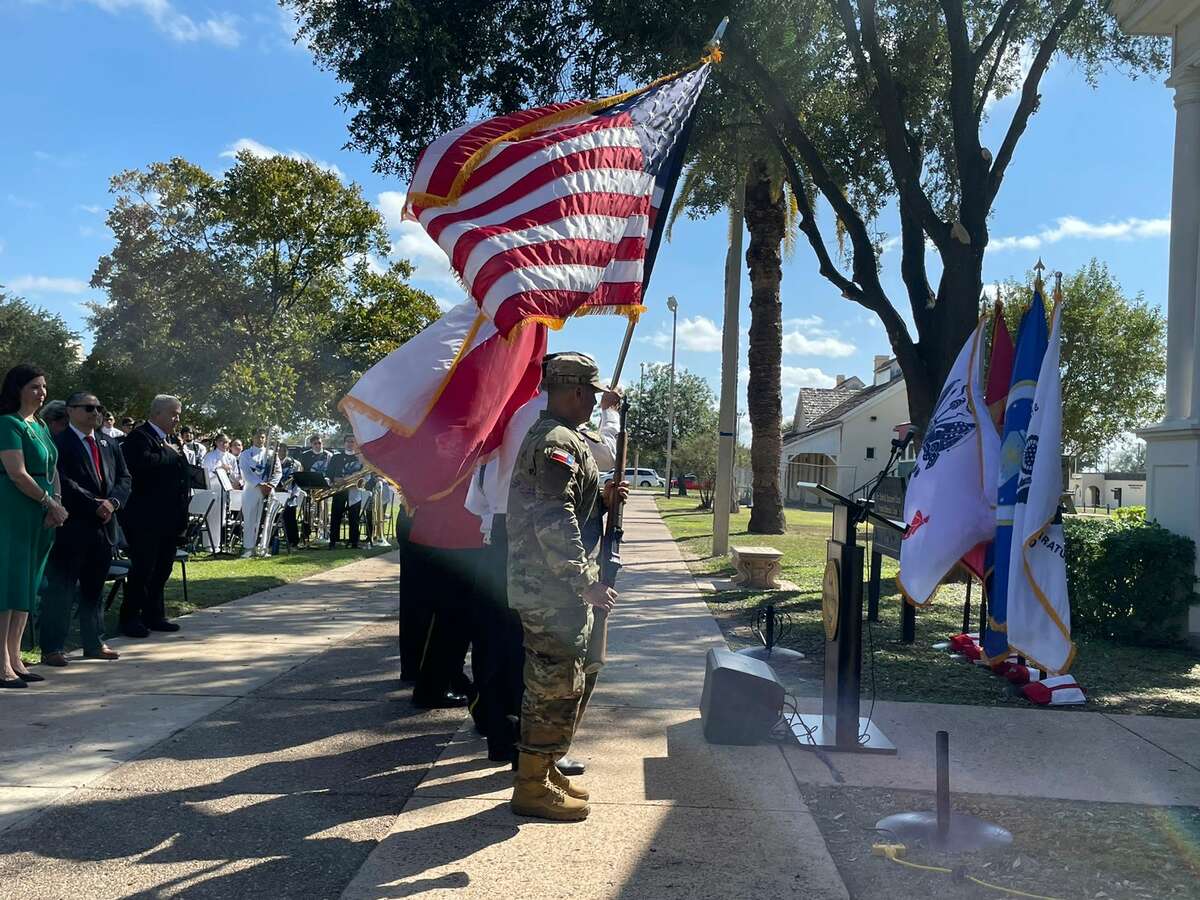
(766, 220)
(945, 331)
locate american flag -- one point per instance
(544, 214)
(553, 212)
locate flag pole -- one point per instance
(616, 376)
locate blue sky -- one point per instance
(90, 87)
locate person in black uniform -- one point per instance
(315, 459)
(155, 516)
(345, 465)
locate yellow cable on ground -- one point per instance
(893, 851)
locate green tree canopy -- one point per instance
(871, 106)
(258, 297)
(1114, 359)
(30, 334)
(695, 412)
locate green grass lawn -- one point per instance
(213, 580)
(1118, 678)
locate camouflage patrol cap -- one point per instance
(571, 369)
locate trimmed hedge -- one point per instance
(1130, 514)
(1130, 580)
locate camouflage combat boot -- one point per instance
(535, 795)
(564, 784)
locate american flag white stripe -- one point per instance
(558, 278)
(596, 181)
(510, 175)
(589, 227)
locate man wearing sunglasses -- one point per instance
(95, 484)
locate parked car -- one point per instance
(638, 478)
(693, 483)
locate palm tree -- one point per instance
(769, 216)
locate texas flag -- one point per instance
(950, 503)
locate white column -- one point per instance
(1183, 375)
(1173, 446)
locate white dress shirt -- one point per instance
(487, 495)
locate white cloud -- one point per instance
(88, 208)
(2, 246)
(799, 343)
(795, 377)
(44, 284)
(698, 333)
(1074, 228)
(811, 322)
(410, 241)
(221, 29)
(262, 151)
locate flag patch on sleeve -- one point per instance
(563, 457)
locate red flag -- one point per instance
(996, 396)
(425, 413)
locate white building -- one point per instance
(1108, 489)
(842, 436)
(1173, 446)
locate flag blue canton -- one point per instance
(1032, 339)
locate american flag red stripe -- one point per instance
(551, 212)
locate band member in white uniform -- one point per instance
(261, 472)
(193, 450)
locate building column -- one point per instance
(1173, 446)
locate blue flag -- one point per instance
(1032, 339)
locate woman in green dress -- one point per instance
(30, 508)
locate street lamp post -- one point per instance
(673, 306)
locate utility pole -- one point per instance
(673, 306)
(641, 403)
(723, 491)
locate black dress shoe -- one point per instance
(447, 700)
(13, 683)
(134, 630)
(570, 766)
(30, 677)
(164, 625)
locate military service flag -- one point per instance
(1039, 610)
(1031, 348)
(950, 502)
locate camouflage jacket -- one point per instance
(553, 495)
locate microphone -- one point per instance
(901, 444)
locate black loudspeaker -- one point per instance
(742, 699)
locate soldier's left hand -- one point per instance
(612, 490)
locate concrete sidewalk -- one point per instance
(84, 721)
(672, 816)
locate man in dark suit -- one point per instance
(95, 484)
(155, 516)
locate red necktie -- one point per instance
(91, 442)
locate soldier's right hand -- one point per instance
(600, 596)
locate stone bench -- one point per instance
(757, 567)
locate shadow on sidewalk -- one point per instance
(283, 793)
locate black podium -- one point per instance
(839, 726)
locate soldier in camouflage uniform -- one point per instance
(553, 502)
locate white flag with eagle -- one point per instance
(950, 503)
(1039, 608)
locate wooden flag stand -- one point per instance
(839, 727)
